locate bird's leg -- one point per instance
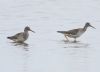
(75, 40)
(66, 37)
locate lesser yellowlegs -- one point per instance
(22, 36)
(75, 33)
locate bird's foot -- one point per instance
(66, 40)
(75, 41)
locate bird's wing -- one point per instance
(72, 32)
(17, 35)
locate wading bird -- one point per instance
(22, 36)
(75, 33)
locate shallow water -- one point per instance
(46, 50)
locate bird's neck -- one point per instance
(26, 34)
(25, 31)
(85, 28)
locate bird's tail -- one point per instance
(63, 32)
(9, 37)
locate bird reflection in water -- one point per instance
(26, 53)
(77, 44)
(22, 44)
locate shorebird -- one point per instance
(75, 33)
(22, 36)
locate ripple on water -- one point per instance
(26, 54)
(71, 44)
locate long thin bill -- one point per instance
(32, 31)
(93, 27)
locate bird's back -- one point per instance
(73, 31)
(19, 37)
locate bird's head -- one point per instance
(89, 25)
(28, 29)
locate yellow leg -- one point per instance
(66, 37)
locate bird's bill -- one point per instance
(32, 31)
(92, 26)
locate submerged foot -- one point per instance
(75, 41)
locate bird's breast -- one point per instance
(79, 33)
(26, 35)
